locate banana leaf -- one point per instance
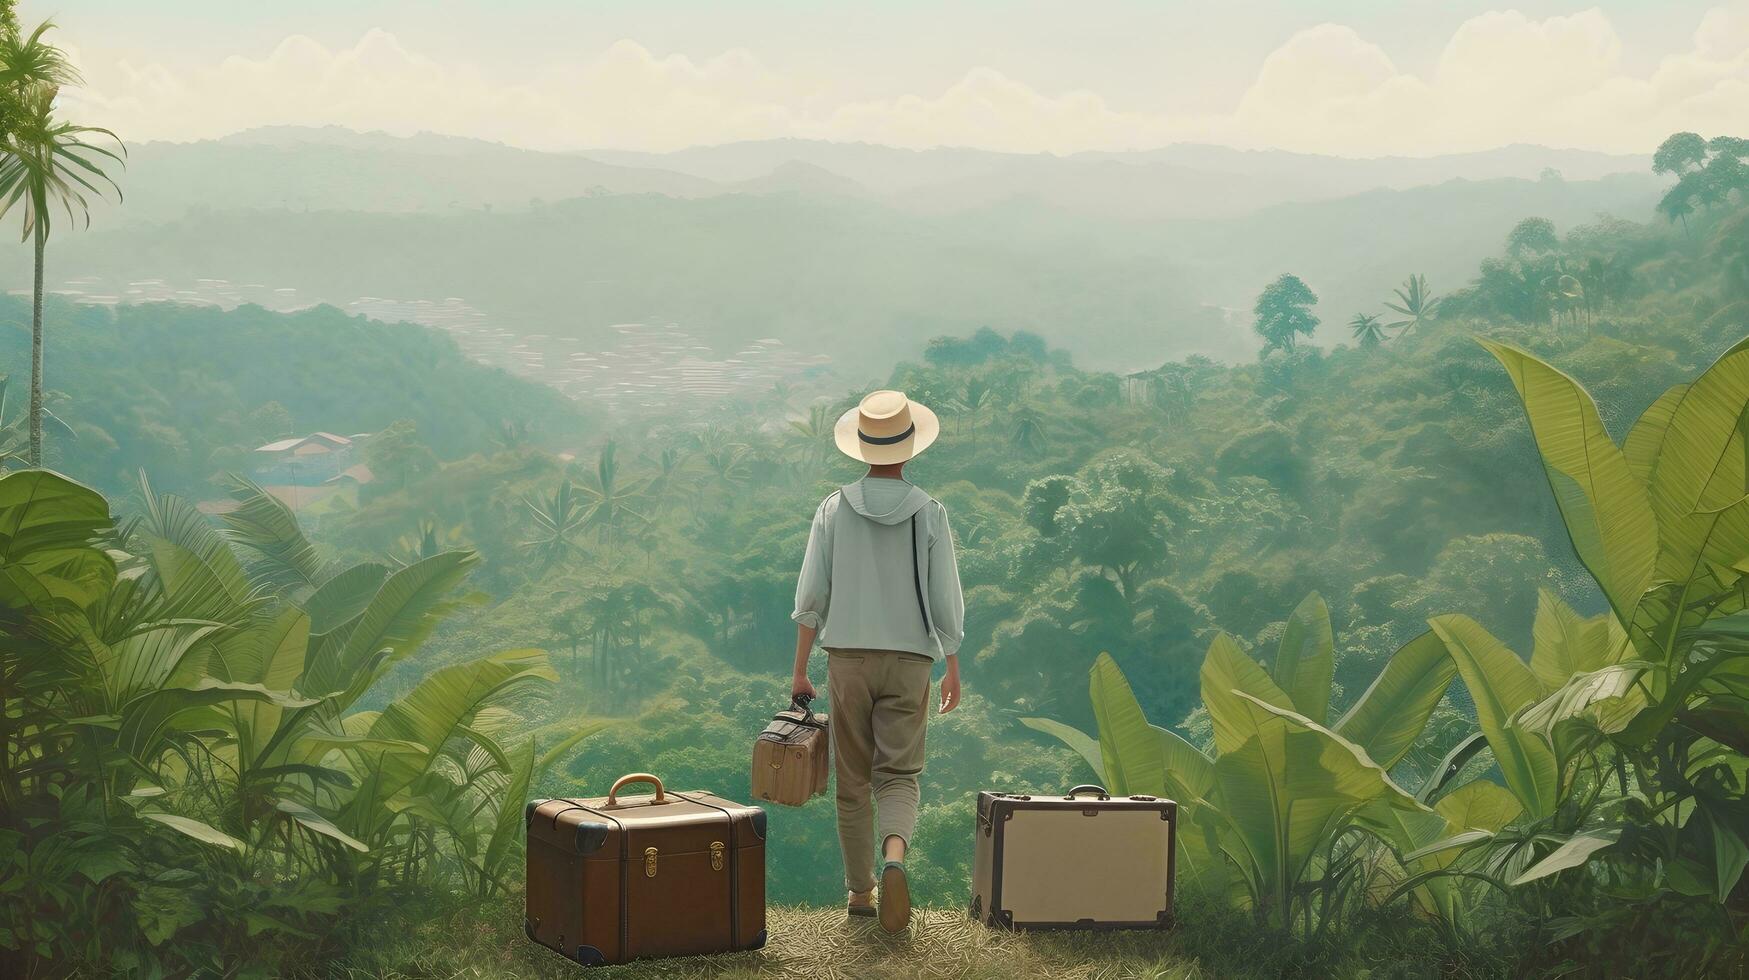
(1132, 756)
(1388, 718)
(1501, 685)
(1305, 660)
(1606, 510)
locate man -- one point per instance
(880, 590)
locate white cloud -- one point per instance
(1502, 77)
(988, 109)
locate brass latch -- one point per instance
(649, 862)
(716, 855)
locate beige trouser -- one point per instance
(880, 704)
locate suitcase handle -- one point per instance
(635, 777)
(1089, 788)
(800, 702)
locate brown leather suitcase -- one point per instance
(1084, 860)
(617, 878)
(792, 757)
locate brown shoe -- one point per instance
(861, 904)
(895, 898)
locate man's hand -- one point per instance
(950, 686)
(798, 675)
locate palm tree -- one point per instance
(1604, 280)
(974, 397)
(723, 456)
(1415, 302)
(811, 435)
(557, 520)
(635, 599)
(608, 614)
(670, 474)
(609, 499)
(1028, 430)
(1172, 392)
(14, 437)
(45, 163)
(572, 624)
(1367, 329)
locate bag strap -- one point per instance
(917, 582)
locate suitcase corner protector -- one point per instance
(758, 941)
(590, 956)
(528, 811)
(528, 927)
(590, 835)
(759, 822)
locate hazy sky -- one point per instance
(1353, 77)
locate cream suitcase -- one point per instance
(1084, 860)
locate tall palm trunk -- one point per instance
(36, 350)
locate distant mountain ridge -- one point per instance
(893, 169)
(333, 168)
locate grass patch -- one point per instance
(824, 944)
(807, 944)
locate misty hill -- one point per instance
(1354, 250)
(1347, 175)
(333, 168)
(187, 391)
(795, 177)
(848, 277)
(1272, 175)
(852, 276)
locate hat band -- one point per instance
(886, 440)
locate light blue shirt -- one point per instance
(875, 548)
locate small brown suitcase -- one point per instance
(617, 878)
(792, 757)
(1084, 860)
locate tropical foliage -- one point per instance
(186, 770)
(1620, 747)
(46, 164)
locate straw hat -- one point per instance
(886, 428)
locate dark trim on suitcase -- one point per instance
(624, 862)
(734, 869)
(997, 808)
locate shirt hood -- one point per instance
(908, 505)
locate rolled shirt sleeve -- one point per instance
(814, 585)
(947, 603)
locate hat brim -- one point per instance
(928, 427)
